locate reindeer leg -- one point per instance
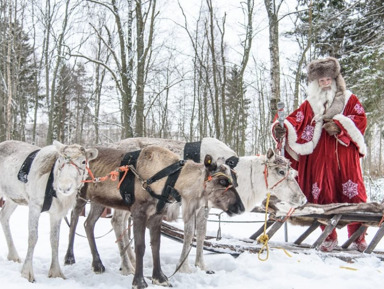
(189, 231)
(55, 270)
(118, 221)
(158, 276)
(89, 225)
(69, 258)
(5, 214)
(139, 225)
(33, 222)
(128, 238)
(201, 231)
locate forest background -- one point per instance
(94, 72)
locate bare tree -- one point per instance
(10, 84)
(143, 57)
(273, 16)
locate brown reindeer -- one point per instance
(196, 185)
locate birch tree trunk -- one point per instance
(46, 44)
(215, 71)
(246, 51)
(143, 58)
(273, 11)
(9, 75)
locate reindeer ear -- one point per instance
(58, 144)
(270, 153)
(209, 163)
(232, 162)
(91, 153)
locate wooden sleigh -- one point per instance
(311, 216)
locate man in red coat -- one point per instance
(324, 139)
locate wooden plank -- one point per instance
(310, 229)
(328, 229)
(350, 217)
(361, 230)
(375, 240)
(275, 227)
(261, 230)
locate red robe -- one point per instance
(328, 167)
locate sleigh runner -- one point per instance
(311, 216)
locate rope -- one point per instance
(113, 176)
(290, 212)
(264, 238)
(83, 236)
(120, 239)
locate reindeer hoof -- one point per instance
(139, 283)
(69, 260)
(210, 272)
(98, 268)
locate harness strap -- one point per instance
(50, 192)
(192, 151)
(169, 190)
(127, 178)
(26, 166)
(172, 172)
(167, 171)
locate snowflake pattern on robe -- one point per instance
(299, 116)
(350, 189)
(359, 108)
(315, 191)
(308, 133)
(352, 117)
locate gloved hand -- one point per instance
(279, 131)
(331, 128)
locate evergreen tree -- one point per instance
(21, 75)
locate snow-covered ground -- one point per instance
(311, 269)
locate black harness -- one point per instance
(50, 192)
(173, 172)
(127, 187)
(26, 166)
(192, 151)
(23, 177)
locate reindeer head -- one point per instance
(71, 167)
(219, 188)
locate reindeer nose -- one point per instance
(236, 208)
(66, 190)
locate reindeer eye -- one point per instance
(281, 172)
(84, 162)
(224, 182)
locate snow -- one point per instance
(311, 269)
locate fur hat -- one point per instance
(327, 67)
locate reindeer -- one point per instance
(51, 184)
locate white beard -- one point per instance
(320, 99)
